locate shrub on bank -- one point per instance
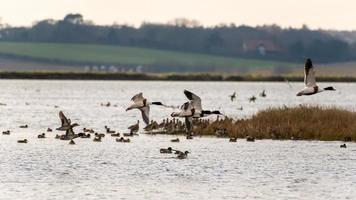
(307, 123)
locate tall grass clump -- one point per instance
(303, 122)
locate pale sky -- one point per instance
(327, 14)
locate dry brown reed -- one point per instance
(303, 122)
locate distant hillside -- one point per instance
(267, 42)
(125, 58)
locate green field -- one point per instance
(107, 54)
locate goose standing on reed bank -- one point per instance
(141, 103)
(192, 109)
(309, 80)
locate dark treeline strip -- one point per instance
(263, 42)
(157, 77)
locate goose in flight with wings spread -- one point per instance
(192, 109)
(67, 126)
(65, 123)
(141, 103)
(309, 80)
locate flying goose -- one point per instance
(68, 128)
(192, 109)
(66, 123)
(309, 80)
(141, 103)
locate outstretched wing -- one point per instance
(309, 74)
(194, 99)
(145, 111)
(137, 97)
(63, 118)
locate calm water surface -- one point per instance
(215, 169)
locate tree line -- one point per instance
(269, 42)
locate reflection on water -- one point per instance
(215, 169)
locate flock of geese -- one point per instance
(190, 110)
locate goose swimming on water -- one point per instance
(183, 155)
(141, 103)
(134, 128)
(309, 80)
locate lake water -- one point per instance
(215, 169)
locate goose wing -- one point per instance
(145, 111)
(309, 74)
(137, 97)
(194, 99)
(63, 118)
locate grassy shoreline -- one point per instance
(159, 77)
(298, 123)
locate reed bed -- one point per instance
(303, 122)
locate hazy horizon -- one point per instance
(335, 15)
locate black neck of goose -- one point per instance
(206, 112)
(157, 103)
(216, 112)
